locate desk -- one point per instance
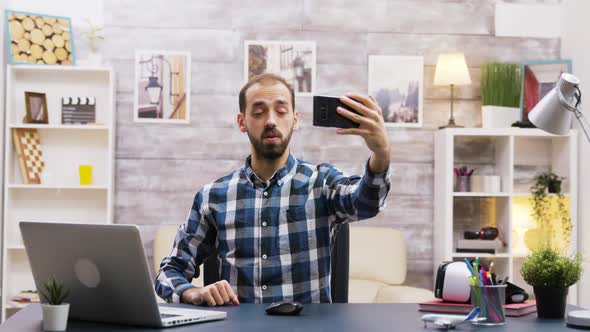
(315, 317)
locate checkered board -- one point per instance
(30, 157)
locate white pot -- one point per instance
(55, 317)
(499, 116)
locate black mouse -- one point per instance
(284, 308)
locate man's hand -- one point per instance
(219, 293)
(371, 129)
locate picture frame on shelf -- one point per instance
(39, 39)
(36, 108)
(538, 78)
(295, 61)
(162, 87)
(396, 83)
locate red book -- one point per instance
(512, 310)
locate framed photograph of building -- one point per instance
(396, 84)
(538, 78)
(162, 87)
(39, 39)
(293, 60)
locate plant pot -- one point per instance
(499, 116)
(55, 317)
(550, 302)
(554, 187)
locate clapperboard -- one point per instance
(78, 110)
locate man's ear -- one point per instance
(241, 120)
(295, 120)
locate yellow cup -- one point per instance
(85, 174)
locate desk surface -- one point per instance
(315, 317)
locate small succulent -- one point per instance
(55, 291)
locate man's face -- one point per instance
(269, 119)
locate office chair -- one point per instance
(339, 270)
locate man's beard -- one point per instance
(272, 150)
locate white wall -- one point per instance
(575, 45)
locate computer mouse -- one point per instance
(284, 308)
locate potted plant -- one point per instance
(94, 35)
(551, 274)
(55, 311)
(501, 84)
(551, 213)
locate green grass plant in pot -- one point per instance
(55, 311)
(501, 84)
(551, 274)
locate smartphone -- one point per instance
(325, 115)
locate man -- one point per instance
(272, 220)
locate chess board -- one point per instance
(30, 157)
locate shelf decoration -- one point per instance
(36, 108)
(30, 157)
(78, 110)
(39, 38)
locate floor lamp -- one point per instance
(553, 114)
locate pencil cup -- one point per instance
(490, 300)
(85, 174)
(463, 183)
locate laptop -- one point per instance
(106, 271)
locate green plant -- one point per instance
(551, 212)
(547, 267)
(55, 291)
(93, 34)
(501, 84)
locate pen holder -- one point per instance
(490, 300)
(463, 183)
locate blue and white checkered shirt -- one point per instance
(273, 239)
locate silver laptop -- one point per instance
(106, 271)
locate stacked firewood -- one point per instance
(39, 39)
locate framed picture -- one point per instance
(538, 78)
(396, 84)
(162, 87)
(39, 39)
(36, 108)
(295, 61)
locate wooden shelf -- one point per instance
(58, 187)
(479, 194)
(59, 127)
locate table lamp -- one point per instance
(553, 114)
(451, 69)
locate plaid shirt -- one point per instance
(273, 239)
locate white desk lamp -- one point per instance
(451, 69)
(553, 114)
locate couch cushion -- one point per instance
(403, 294)
(363, 291)
(377, 253)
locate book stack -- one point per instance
(479, 246)
(512, 310)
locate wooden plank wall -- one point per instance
(160, 167)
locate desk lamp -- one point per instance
(451, 69)
(553, 114)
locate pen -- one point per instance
(469, 266)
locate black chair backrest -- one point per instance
(339, 273)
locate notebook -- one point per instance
(512, 310)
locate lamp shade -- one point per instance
(553, 113)
(451, 69)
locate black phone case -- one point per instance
(325, 115)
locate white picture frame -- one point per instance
(295, 61)
(396, 82)
(171, 70)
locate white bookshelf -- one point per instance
(516, 155)
(59, 197)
